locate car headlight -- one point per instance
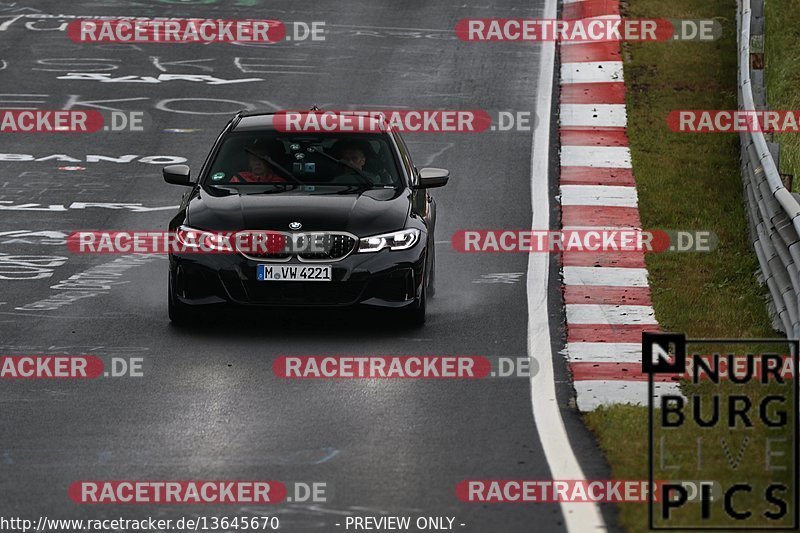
(397, 240)
(207, 241)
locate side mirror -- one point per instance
(177, 175)
(432, 177)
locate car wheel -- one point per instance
(179, 313)
(414, 314)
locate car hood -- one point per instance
(369, 213)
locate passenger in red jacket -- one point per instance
(260, 171)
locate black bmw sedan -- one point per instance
(348, 219)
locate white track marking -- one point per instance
(605, 276)
(591, 72)
(601, 17)
(605, 195)
(594, 393)
(596, 156)
(604, 352)
(578, 517)
(610, 314)
(601, 115)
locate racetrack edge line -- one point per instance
(560, 457)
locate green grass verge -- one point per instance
(685, 181)
(783, 74)
(692, 181)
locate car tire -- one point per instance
(179, 313)
(414, 314)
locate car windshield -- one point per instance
(276, 162)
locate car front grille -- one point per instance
(307, 247)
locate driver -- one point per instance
(354, 156)
(350, 152)
(259, 170)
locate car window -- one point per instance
(363, 160)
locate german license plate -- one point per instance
(293, 273)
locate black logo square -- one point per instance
(661, 345)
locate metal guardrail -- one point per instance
(773, 212)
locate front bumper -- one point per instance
(383, 279)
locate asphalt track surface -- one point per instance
(208, 405)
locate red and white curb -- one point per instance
(606, 294)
